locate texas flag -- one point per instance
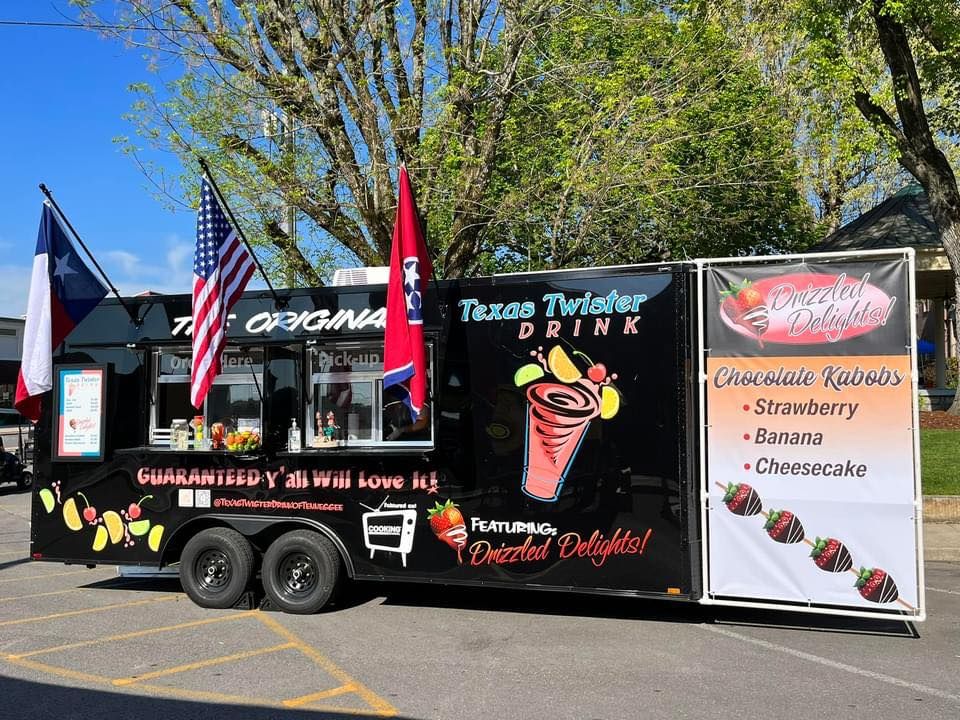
(63, 291)
(404, 361)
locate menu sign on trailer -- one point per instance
(79, 392)
(810, 442)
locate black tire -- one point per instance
(215, 567)
(300, 572)
(26, 480)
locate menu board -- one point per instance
(80, 395)
(810, 438)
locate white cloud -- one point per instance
(173, 275)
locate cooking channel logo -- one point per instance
(389, 528)
(804, 308)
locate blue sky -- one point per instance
(64, 94)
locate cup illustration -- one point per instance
(558, 416)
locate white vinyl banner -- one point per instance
(810, 439)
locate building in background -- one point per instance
(11, 349)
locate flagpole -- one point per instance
(280, 303)
(133, 316)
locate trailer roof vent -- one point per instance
(361, 276)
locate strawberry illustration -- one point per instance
(784, 527)
(745, 305)
(741, 499)
(877, 586)
(831, 555)
(447, 524)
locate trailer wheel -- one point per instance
(215, 567)
(26, 480)
(300, 571)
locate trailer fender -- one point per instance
(250, 525)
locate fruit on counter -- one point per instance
(831, 555)
(527, 374)
(100, 539)
(243, 440)
(114, 526)
(46, 497)
(609, 402)
(784, 527)
(562, 366)
(139, 527)
(741, 499)
(153, 539)
(876, 585)
(70, 515)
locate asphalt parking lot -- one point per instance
(79, 643)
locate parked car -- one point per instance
(16, 437)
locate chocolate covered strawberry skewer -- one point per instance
(745, 306)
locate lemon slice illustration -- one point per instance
(562, 366)
(139, 527)
(70, 515)
(153, 539)
(609, 402)
(100, 540)
(527, 374)
(48, 502)
(114, 526)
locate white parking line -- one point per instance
(941, 590)
(826, 662)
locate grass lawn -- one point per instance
(940, 461)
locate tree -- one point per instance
(361, 86)
(646, 136)
(538, 134)
(920, 46)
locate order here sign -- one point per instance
(810, 440)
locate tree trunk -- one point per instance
(951, 246)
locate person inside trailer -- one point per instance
(398, 422)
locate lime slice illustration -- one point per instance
(609, 402)
(100, 539)
(153, 539)
(139, 527)
(48, 502)
(114, 526)
(70, 515)
(527, 374)
(562, 366)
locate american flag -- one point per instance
(221, 269)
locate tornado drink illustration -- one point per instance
(558, 416)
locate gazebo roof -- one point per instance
(903, 220)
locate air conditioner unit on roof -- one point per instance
(361, 276)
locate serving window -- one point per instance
(349, 406)
(234, 398)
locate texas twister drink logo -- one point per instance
(805, 308)
(559, 411)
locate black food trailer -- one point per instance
(567, 444)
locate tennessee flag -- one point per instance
(63, 291)
(404, 352)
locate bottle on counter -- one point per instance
(179, 434)
(293, 437)
(198, 432)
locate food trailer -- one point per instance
(738, 431)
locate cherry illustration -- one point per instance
(597, 372)
(134, 510)
(89, 512)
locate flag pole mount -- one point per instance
(281, 303)
(134, 317)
